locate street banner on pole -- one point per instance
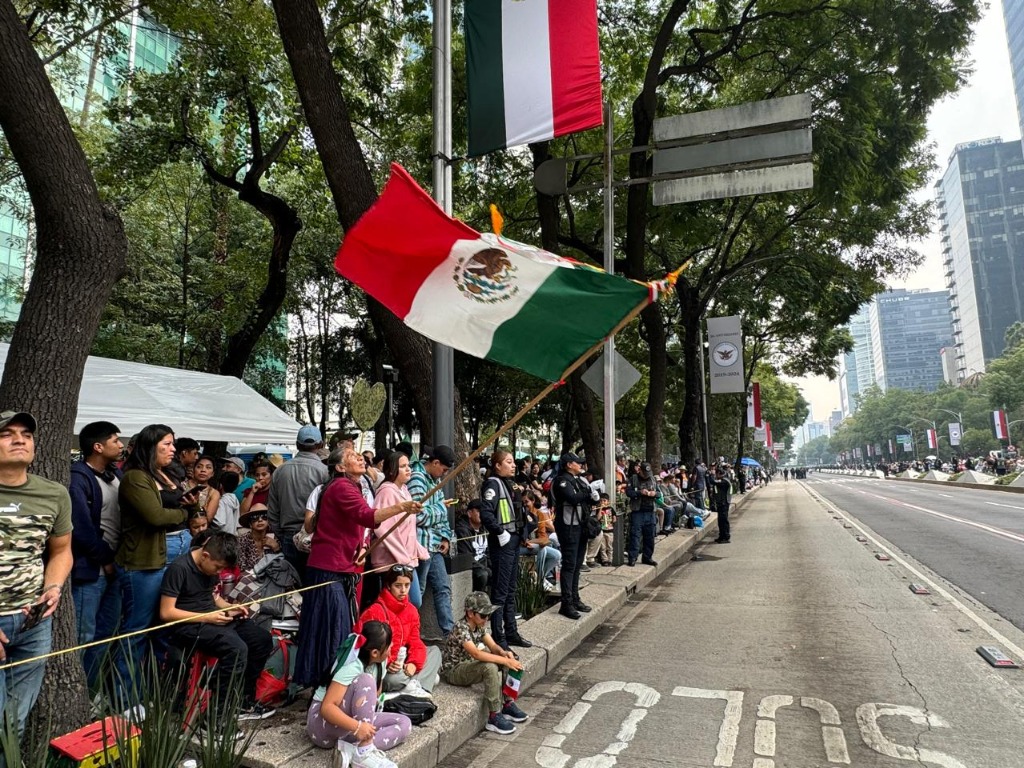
(760, 434)
(955, 433)
(871, 450)
(906, 442)
(999, 425)
(933, 439)
(768, 436)
(725, 349)
(754, 406)
(892, 449)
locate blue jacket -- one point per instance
(91, 552)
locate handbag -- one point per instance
(593, 527)
(418, 709)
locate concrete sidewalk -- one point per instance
(461, 714)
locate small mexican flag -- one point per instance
(484, 295)
(533, 71)
(513, 681)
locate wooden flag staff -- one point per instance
(669, 280)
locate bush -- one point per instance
(531, 598)
(954, 477)
(1007, 479)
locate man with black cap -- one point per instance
(434, 531)
(642, 493)
(290, 487)
(35, 560)
(572, 497)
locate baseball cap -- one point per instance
(22, 417)
(442, 453)
(645, 466)
(309, 435)
(479, 602)
(234, 460)
(570, 457)
(334, 457)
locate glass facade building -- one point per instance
(150, 47)
(981, 212)
(856, 367)
(908, 332)
(1013, 16)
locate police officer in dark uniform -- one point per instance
(572, 497)
(501, 513)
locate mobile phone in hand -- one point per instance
(35, 615)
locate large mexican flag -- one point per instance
(484, 295)
(533, 71)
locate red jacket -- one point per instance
(404, 620)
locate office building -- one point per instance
(83, 87)
(856, 367)
(908, 331)
(1013, 17)
(981, 213)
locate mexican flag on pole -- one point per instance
(533, 71)
(482, 294)
(999, 425)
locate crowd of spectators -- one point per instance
(155, 532)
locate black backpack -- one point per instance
(418, 709)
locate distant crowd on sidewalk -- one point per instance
(155, 532)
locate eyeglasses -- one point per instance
(406, 569)
(259, 516)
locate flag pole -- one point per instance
(656, 290)
(468, 461)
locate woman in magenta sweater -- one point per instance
(412, 667)
(401, 547)
(329, 611)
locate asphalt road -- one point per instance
(792, 647)
(973, 538)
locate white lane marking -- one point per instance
(871, 732)
(550, 754)
(729, 733)
(953, 518)
(994, 633)
(831, 732)
(765, 729)
(947, 495)
(1008, 506)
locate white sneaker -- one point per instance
(344, 752)
(373, 758)
(549, 587)
(414, 688)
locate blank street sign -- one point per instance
(754, 181)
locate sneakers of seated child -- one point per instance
(413, 688)
(500, 723)
(371, 758)
(512, 711)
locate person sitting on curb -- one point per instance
(344, 712)
(472, 540)
(412, 667)
(471, 656)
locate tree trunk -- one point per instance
(585, 412)
(215, 345)
(353, 190)
(690, 442)
(286, 225)
(657, 384)
(81, 250)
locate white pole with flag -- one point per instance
(609, 267)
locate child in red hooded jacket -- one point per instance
(412, 667)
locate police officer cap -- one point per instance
(570, 457)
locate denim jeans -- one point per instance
(98, 607)
(140, 595)
(178, 544)
(22, 683)
(548, 558)
(433, 573)
(641, 524)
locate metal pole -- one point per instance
(443, 373)
(704, 397)
(609, 347)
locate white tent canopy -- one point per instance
(203, 406)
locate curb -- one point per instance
(460, 711)
(944, 483)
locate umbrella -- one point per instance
(931, 458)
(749, 462)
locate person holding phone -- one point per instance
(35, 518)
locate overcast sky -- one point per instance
(985, 107)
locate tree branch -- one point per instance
(89, 32)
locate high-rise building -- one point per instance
(856, 367)
(908, 331)
(981, 210)
(1013, 16)
(86, 83)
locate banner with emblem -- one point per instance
(725, 349)
(481, 294)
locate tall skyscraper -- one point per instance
(981, 210)
(1013, 16)
(908, 331)
(856, 367)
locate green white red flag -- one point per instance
(533, 71)
(1000, 426)
(482, 294)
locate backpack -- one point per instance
(418, 709)
(272, 686)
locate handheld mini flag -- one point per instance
(513, 681)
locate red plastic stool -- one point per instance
(197, 693)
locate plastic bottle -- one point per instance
(188, 762)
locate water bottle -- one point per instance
(188, 762)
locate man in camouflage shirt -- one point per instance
(35, 519)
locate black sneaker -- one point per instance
(514, 713)
(569, 613)
(500, 723)
(255, 711)
(631, 562)
(584, 567)
(582, 607)
(649, 562)
(521, 642)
